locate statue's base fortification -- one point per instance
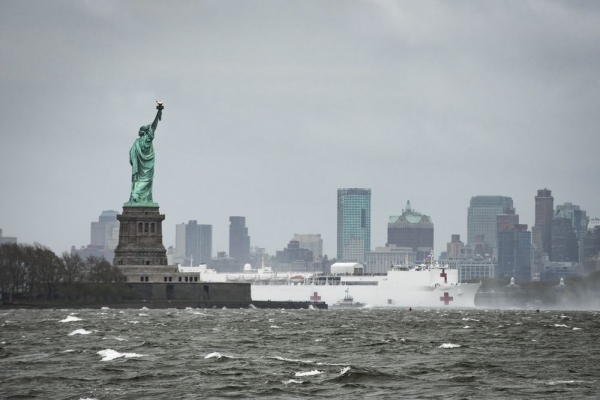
(140, 237)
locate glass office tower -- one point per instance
(353, 224)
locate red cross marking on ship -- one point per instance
(315, 297)
(446, 299)
(444, 275)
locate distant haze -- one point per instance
(270, 107)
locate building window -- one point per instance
(152, 228)
(170, 279)
(146, 227)
(146, 279)
(186, 278)
(179, 279)
(165, 278)
(140, 227)
(141, 279)
(195, 279)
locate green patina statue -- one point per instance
(141, 158)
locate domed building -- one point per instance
(411, 229)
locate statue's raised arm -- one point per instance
(158, 117)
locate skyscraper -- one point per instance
(312, 242)
(563, 245)
(514, 251)
(105, 232)
(411, 229)
(591, 246)
(180, 243)
(454, 247)
(104, 237)
(353, 224)
(482, 220)
(198, 243)
(544, 213)
(239, 241)
(579, 220)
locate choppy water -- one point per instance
(187, 354)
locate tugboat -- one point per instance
(348, 302)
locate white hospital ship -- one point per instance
(402, 286)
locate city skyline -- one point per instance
(373, 246)
(270, 108)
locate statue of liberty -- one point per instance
(141, 158)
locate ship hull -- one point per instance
(408, 287)
(459, 296)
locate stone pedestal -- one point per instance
(140, 237)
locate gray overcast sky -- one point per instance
(271, 106)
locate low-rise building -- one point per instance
(380, 260)
(472, 268)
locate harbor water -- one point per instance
(255, 353)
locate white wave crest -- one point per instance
(105, 308)
(308, 373)
(80, 332)
(275, 327)
(70, 318)
(345, 370)
(552, 383)
(449, 346)
(577, 329)
(560, 326)
(120, 339)
(144, 308)
(217, 355)
(292, 360)
(470, 319)
(292, 381)
(110, 354)
(466, 327)
(252, 306)
(330, 364)
(68, 351)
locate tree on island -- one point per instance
(34, 272)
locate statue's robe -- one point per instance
(141, 158)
